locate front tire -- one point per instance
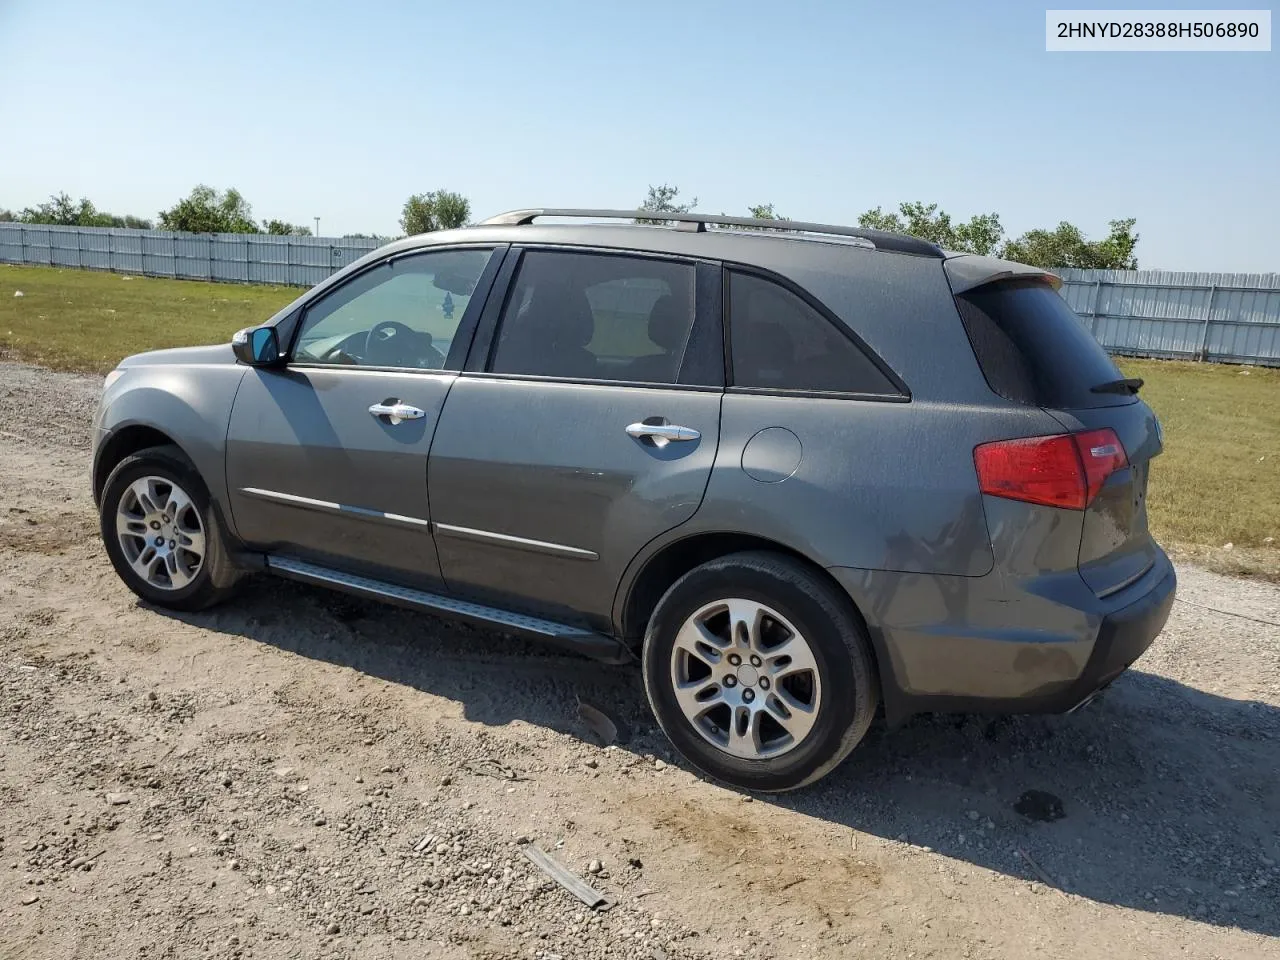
(161, 532)
(759, 671)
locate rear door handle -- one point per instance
(396, 412)
(660, 434)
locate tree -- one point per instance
(1067, 247)
(7, 216)
(437, 210)
(280, 228)
(1064, 246)
(662, 199)
(764, 211)
(60, 210)
(979, 234)
(206, 210)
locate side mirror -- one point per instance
(256, 346)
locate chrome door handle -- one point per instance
(396, 412)
(662, 433)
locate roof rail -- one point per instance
(882, 239)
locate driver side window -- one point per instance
(403, 313)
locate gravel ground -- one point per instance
(303, 775)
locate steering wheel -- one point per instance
(386, 343)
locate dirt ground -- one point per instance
(302, 775)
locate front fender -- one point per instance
(189, 404)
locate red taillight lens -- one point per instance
(1102, 455)
(1066, 470)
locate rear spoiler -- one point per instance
(967, 271)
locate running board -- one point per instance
(597, 646)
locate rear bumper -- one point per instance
(1001, 654)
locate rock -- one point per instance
(299, 848)
(319, 821)
(226, 781)
(28, 901)
(446, 780)
(18, 293)
(284, 773)
(635, 862)
(367, 909)
(659, 764)
(388, 769)
(595, 866)
(234, 864)
(333, 929)
(464, 910)
(118, 799)
(79, 862)
(592, 763)
(974, 814)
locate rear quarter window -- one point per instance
(778, 341)
(1033, 349)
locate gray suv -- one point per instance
(801, 472)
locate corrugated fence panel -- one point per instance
(64, 246)
(1159, 313)
(1150, 313)
(126, 251)
(95, 249)
(193, 255)
(159, 254)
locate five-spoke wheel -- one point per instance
(759, 671)
(161, 532)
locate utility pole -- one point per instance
(317, 220)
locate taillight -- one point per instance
(1066, 470)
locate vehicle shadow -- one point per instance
(1170, 796)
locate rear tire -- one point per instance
(759, 671)
(162, 534)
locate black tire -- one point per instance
(841, 650)
(217, 575)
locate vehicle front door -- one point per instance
(327, 455)
(587, 427)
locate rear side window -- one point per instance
(596, 317)
(1033, 349)
(780, 342)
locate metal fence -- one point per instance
(234, 257)
(1146, 313)
(1232, 317)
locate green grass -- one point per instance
(84, 320)
(1218, 481)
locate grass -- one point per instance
(1218, 480)
(88, 321)
(1217, 483)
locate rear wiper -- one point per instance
(1131, 385)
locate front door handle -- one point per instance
(660, 434)
(395, 411)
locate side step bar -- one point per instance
(597, 646)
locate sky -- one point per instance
(341, 110)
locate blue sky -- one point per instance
(341, 110)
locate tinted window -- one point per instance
(596, 317)
(400, 314)
(1033, 349)
(781, 342)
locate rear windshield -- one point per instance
(1033, 349)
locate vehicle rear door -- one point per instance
(585, 425)
(327, 454)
